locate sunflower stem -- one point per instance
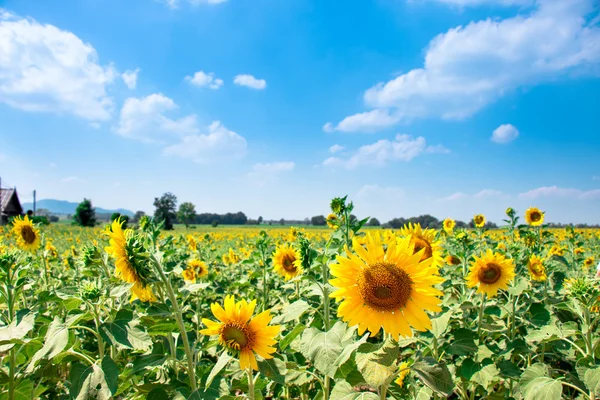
(250, 384)
(481, 308)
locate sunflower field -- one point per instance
(347, 312)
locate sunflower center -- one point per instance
(421, 244)
(237, 336)
(384, 286)
(535, 216)
(490, 273)
(28, 234)
(478, 220)
(287, 262)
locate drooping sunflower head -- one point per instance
(332, 221)
(424, 241)
(28, 237)
(490, 273)
(510, 212)
(534, 216)
(287, 261)
(536, 268)
(389, 289)
(479, 220)
(581, 288)
(132, 263)
(240, 333)
(449, 224)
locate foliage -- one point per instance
(318, 220)
(122, 217)
(165, 210)
(85, 214)
(186, 213)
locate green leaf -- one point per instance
(440, 324)
(349, 349)
(436, 376)
(142, 362)
(424, 394)
(274, 369)
(111, 373)
(509, 369)
(292, 312)
(519, 288)
(289, 338)
(379, 365)
(158, 394)
(55, 342)
(535, 371)
(539, 314)
(343, 391)
(323, 348)
(543, 389)
(468, 368)
(125, 332)
(591, 378)
(223, 360)
(24, 390)
(463, 343)
(88, 382)
(486, 375)
(16, 330)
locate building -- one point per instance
(11, 206)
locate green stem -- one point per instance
(250, 384)
(576, 388)
(383, 391)
(480, 315)
(100, 340)
(179, 319)
(326, 320)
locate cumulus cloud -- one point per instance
(336, 148)
(558, 192)
(44, 68)
(504, 134)
(144, 118)
(130, 78)
(219, 144)
(203, 79)
(471, 66)
(402, 148)
(250, 81)
(370, 121)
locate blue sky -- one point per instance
(447, 107)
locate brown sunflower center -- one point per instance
(478, 220)
(28, 234)
(536, 269)
(454, 260)
(384, 286)
(237, 336)
(287, 262)
(535, 216)
(490, 273)
(421, 244)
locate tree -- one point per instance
(260, 220)
(186, 213)
(318, 220)
(137, 216)
(166, 206)
(85, 214)
(124, 219)
(374, 222)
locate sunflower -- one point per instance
(452, 260)
(287, 262)
(449, 224)
(534, 216)
(491, 272)
(424, 239)
(386, 289)
(479, 220)
(332, 221)
(588, 262)
(537, 272)
(230, 258)
(131, 260)
(28, 237)
(404, 370)
(242, 334)
(195, 269)
(579, 251)
(501, 246)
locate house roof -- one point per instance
(6, 196)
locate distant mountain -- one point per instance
(67, 207)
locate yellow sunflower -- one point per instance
(332, 221)
(386, 289)
(449, 225)
(452, 260)
(131, 263)
(424, 240)
(534, 216)
(242, 334)
(479, 220)
(287, 262)
(402, 375)
(588, 262)
(28, 237)
(195, 269)
(537, 272)
(491, 272)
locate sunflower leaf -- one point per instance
(434, 375)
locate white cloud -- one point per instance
(369, 121)
(130, 78)
(203, 79)
(380, 153)
(143, 118)
(469, 67)
(504, 134)
(481, 195)
(218, 144)
(558, 192)
(488, 193)
(250, 81)
(175, 3)
(44, 68)
(455, 196)
(328, 127)
(336, 148)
